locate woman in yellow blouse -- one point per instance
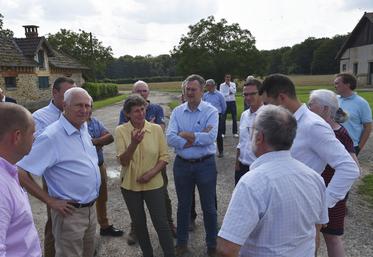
(142, 152)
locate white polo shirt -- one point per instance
(246, 157)
(316, 146)
(274, 208)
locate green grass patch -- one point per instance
(366, 188)
(174, 104)
(108, 101)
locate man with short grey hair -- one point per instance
(68, 159)
(275, 207)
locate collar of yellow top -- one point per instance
(147, 126)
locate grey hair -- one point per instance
(140, 82)
(278, 126)
(210, 82)
(326, 98)
(67, 97)
(195, 77)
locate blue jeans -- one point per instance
(187, 176)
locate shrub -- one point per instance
(101, 90)
(146, 79)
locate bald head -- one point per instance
(14, 117)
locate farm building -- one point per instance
(29, 66)
(356, 54)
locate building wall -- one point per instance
(27, 90)
(361, 55)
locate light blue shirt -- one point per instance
(359, 113)
(183, 119)
(44, 117)
(67, 159)
(216, 99)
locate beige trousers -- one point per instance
(74, 235)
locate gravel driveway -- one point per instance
(359, 222)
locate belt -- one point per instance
(203, 158)
(82, 205)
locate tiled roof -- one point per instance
(11, 55)
(20, 52)
(60, 60)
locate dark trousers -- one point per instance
(155, 202)
(219, 138)
(187, 176)
(193, 213)
(239, 173)
(232, 109)
(167, 198)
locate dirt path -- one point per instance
(359, 223)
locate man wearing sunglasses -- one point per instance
(245, 157)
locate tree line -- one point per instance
(210, 48)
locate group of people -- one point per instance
(295, 164)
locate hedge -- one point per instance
(146, 79)
(101, 90)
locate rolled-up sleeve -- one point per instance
(42, 156)
(327, 146)
(208, 138)
(173, 139)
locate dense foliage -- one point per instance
(101, 90)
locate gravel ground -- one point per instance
(359, 222)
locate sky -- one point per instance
(142, 27)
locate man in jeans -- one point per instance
(228, 89)
(192, 132)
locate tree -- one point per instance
(213, 48)
(4, 32)
(324, 61)
(78, 45)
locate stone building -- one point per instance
(356, 54)
(29, 66)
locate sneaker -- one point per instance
(180, 250)
(211, 251)
(132, 238)
(222, 135)
(111, 231)
(220, 155)
(235, 135)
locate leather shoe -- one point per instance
(180, 250)
(111, 231)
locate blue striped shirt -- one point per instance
(216, 99)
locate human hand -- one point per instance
(62, 206)
(146, 177)
(137, 136)
(207, 129)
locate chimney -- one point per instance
(31, 31)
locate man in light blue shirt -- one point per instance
(192, 132)
(65, 156)
(359, 123)
(43, 118)
(216, 99)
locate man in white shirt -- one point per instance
(228, 89)
(275, 207)
(245, 157)
(315, 143)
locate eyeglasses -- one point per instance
(250, 94)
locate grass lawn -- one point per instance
(108, 101)
(366, 188)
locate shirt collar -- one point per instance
(301, 110)
(349, 97)
(12, 169)
(270, 157)
(54, 107)
(147, 126)
(199, 107)
(69, 128)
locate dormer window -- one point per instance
(41, 59)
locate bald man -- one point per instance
(18, 235)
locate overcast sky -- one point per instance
(141, 27)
